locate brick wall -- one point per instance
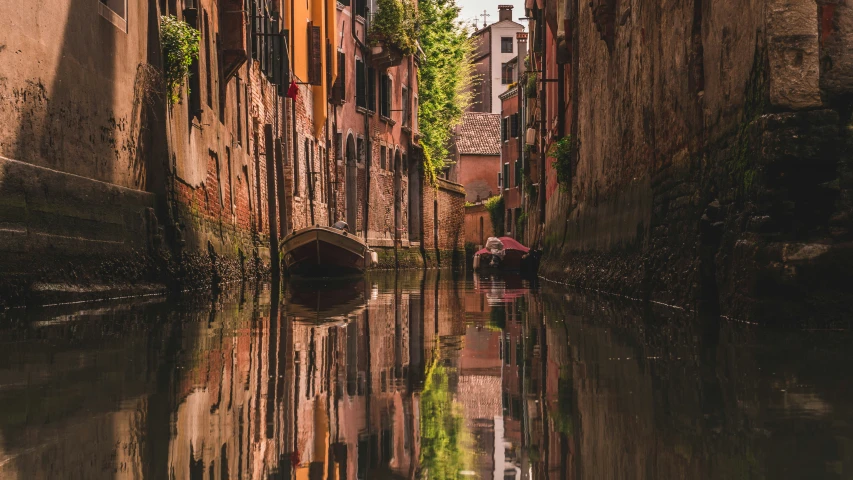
(444, 210)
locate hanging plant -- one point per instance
(395, 24)
(180, 49)
(562, 151)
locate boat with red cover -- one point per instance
(505, 253)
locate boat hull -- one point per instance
(324, 251)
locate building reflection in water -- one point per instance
(416, 376)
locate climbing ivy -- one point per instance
(180, 48)
(495, 207)
(443, 79)
(395, 24)
(562, 152)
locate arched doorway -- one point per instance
(351, 185)
(398, 195)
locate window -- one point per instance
(517, 173)
(360, 84)
(371, 89)
(385, 96)
(208, 61)
(114, 11)
(239, 91)
(361, 8)
(415, 117)
(383, 157)
(405, 109)
(506, 176)
(507, 73)
(309, 170)
(506, 44)
(500, 178)
(513, 125)
(359, 149)
(504, 132)
(340, 89)
(296, 171)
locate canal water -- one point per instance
(416, 375)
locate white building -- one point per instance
(495, 51)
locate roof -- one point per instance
(499, 23)
(479, 134)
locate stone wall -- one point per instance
(711, 168)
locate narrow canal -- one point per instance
(416, 376)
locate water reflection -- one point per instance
(416, 376)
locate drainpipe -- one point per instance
(543, 114)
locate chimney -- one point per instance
(504, 12)
(521, 39)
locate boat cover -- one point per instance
(499, 246)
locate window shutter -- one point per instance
(517, 173)
(499, 181)
(503, 129)
(339, 91)
(276, 55)
(284, 63)
(514, 125)
(371, 89)
(315, 69)
(328, 65)
(360, 84)
(405, 106)
(506, 175)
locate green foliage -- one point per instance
(395, 24)
(442, 452)
(562, 151)
(443, 79)
(520, 223)
(180, 48)
(495, 207)
(530, 90)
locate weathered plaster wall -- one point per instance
(74, 108)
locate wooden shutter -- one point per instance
(284, 63)
(517, 173)
(329, 65)
(315, 55)
(360, 84)
(275, 67)
(340, 90)
(503, 129)
(371, 89)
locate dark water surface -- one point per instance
(416, 376)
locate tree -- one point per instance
(443, 79)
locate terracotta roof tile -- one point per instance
(479, 134)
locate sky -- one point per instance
(472, 8)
